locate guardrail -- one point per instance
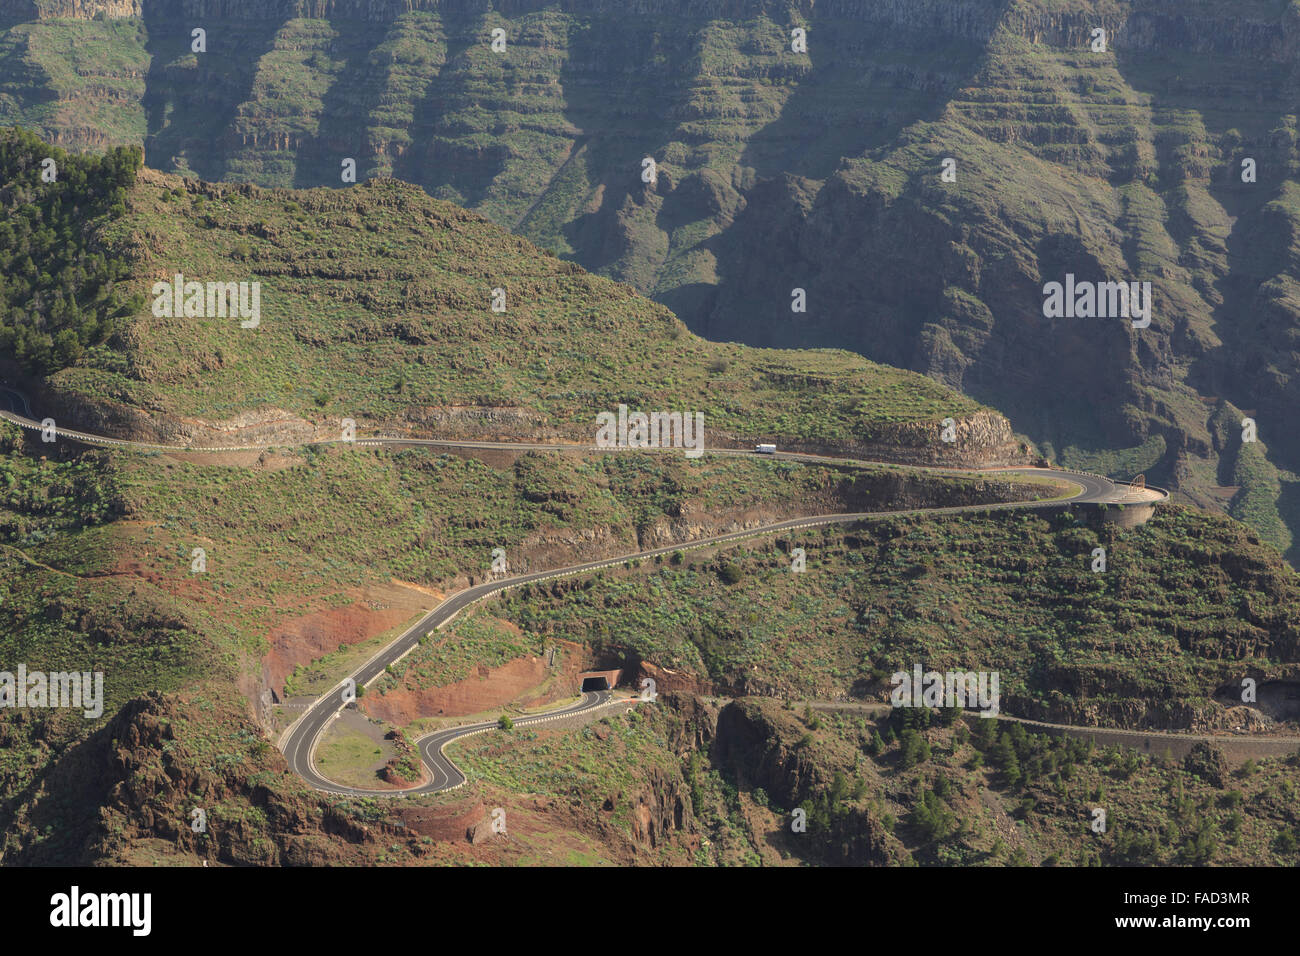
(1165, 492)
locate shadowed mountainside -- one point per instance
(779, 170)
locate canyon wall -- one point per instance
(818, 171)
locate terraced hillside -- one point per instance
(308, 557)
(96, 550)
(821, 170)
(217, 592)
(722, 785)
(1189, 605)
(384, 306)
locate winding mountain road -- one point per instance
(299, 740)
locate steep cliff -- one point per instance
(761, 746)
(779, 170)
(139, 780)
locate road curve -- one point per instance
(1097, 488)
(298, 741)
(441, 774)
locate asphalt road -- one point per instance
(299, 740)
(441, 773)
(1097, 489)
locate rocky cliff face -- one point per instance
(758, 745)
(817, 171)
(140, 779)
(74, 9)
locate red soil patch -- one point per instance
(683, 682)
(488, 688)
(192, 587)
(516, 682)
(443, 823)
(303, 639)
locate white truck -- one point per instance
(765, 449)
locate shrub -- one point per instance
(57, 293)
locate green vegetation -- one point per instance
(445, 657)
(993, 794)
(1142, 644)
(96, 550)
(58, 293)
(600, 765)
(351, 757)
(55, 615)
(1256, 504)
(987, 792)
(385, 294)
(776, 171)
(41, 499)
(405, 766)
(272, 535)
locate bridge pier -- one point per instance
(1127, 516)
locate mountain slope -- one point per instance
(382, 305)
(780, 170)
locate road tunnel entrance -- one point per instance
(599, 680)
